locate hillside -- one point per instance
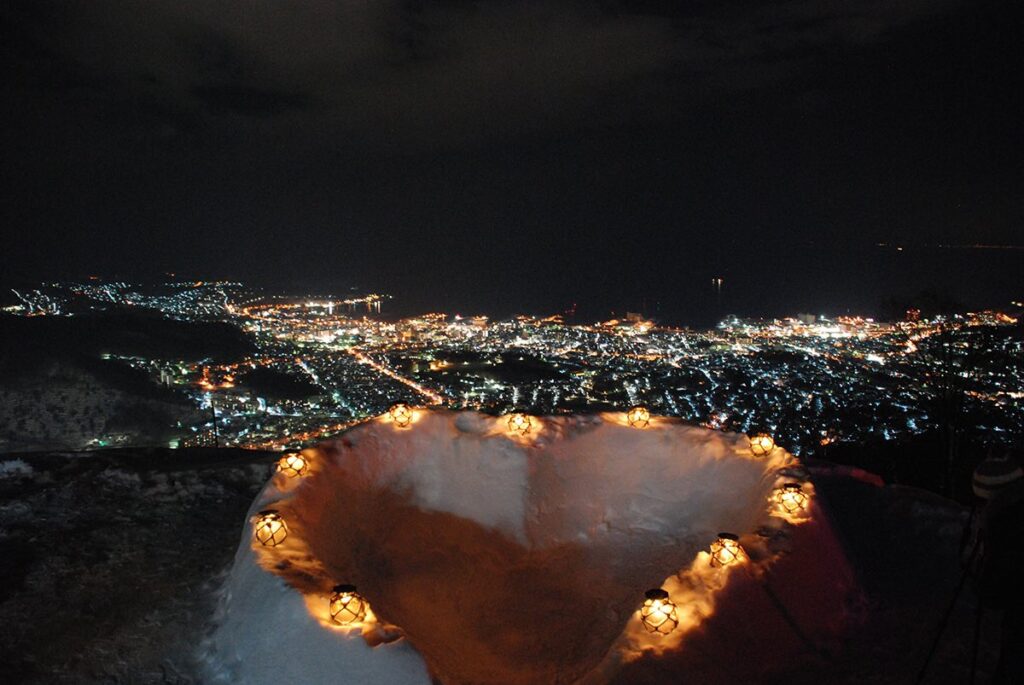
(24, 339)
(113, 557)
(58, 393)
(78, 403)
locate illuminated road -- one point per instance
(432, 397)
(304, 437)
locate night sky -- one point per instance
(500, 156)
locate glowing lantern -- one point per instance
(658, 614)
(519, 423)
(270, 528)
(726, 550)
(790, 498)
(638, 417)
(347, 605)
(293, 464)
(761, 444)
(401, 414)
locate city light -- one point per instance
(432, 397)
(346, 363)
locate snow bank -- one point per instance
(15, 468)
(501, 558)
(266, 634)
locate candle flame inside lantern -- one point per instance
(658, 614)
(347, 606)
(761, 444)
(726, 550)
(401, 414)
(292, 465)
(270, 529)
(638, 417)
(519, 423)
(791, 498)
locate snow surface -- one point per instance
(489, 557)
(15, 468)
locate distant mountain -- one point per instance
(113, 557)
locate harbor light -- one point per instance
(658, 614)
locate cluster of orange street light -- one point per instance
(304, 436)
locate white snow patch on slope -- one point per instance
(15, 468)
(267, 635)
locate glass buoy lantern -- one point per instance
(269, 528)
(726, 550)
(519, 423)
(347, 606)
(658, 614)
(638, 417)
(293, 465)
(761, 444)
(401, 414)
(791, 498)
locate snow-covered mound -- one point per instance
(490, 556)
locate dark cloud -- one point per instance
(455, 148)
(443, 72)
(249, 101)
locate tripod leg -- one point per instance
(979, 615)
(945, 617)
(788, 618)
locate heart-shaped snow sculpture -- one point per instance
(519, 559)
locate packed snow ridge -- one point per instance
(490, 555)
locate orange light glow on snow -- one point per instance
(726, 550)
(520, 424)
(293, 465)
(270, 529)
(658, 613)
(761, 444)
(638, 417)
(401, 414)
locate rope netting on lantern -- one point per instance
(346, 605)
(269, 528)
(658, 613)
(293, 465)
